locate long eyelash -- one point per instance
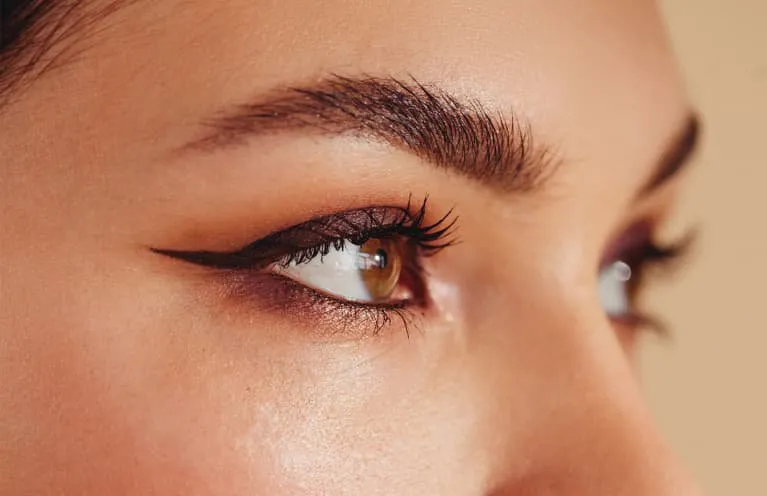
(430, 239)
(669, 256)
(317, 237)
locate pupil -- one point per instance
(380, 259)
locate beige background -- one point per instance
(708, 386)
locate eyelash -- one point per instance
(428, 238)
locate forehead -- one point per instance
(509, 49)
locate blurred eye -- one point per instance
(624, 274)
(372, 272)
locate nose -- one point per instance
(568, 415)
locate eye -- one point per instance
(371, 272)
(353, 270)
(623, 275)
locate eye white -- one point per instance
(614, 290)
(338, 273)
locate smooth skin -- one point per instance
(124, 373)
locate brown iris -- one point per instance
(381, 267)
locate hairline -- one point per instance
(48, 33)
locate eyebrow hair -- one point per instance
(676, 156)
(460, 136)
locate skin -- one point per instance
(126, 373)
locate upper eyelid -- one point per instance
(341, 225)
(320, 230)
(354, 225)
(371, 218)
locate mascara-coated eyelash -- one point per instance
(317, 236)
(398, 237)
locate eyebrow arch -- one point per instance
(675, 158)
(458, 135)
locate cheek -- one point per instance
(340, 419)
(98, 373)
(156, 397)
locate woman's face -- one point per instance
(220, 274)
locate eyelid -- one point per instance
(323, 316)
(641, 235)
(665, 256)
(355, 226)
(269, 249)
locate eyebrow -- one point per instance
(458, 135)
(676, 156)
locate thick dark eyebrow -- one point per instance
(459, 135)
(676, 156)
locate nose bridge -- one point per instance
(568, 416)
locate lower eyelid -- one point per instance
(320, 316)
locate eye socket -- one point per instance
(371, 272)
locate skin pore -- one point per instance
(171, 128)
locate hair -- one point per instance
(22, 43)
(37, 36)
